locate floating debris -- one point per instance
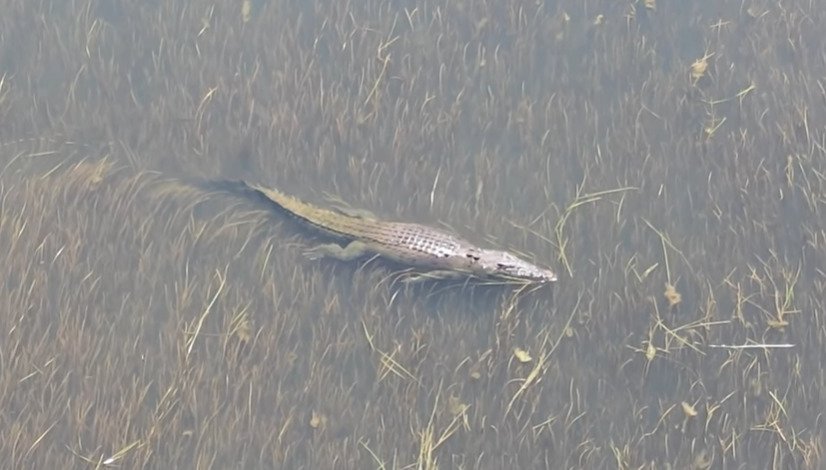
(752, 346)
(650, 352)
(672, 295)
(689, 409)
(522, 355)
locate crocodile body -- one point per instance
(442, 253)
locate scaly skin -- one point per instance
(445, 254)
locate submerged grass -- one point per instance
(146, 323)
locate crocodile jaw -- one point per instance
(504, 264)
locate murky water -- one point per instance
(665, 158)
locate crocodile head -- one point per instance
(503, 264)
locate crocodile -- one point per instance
(441, 253)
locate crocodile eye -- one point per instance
(473, 257)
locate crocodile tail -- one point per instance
(241, 188)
